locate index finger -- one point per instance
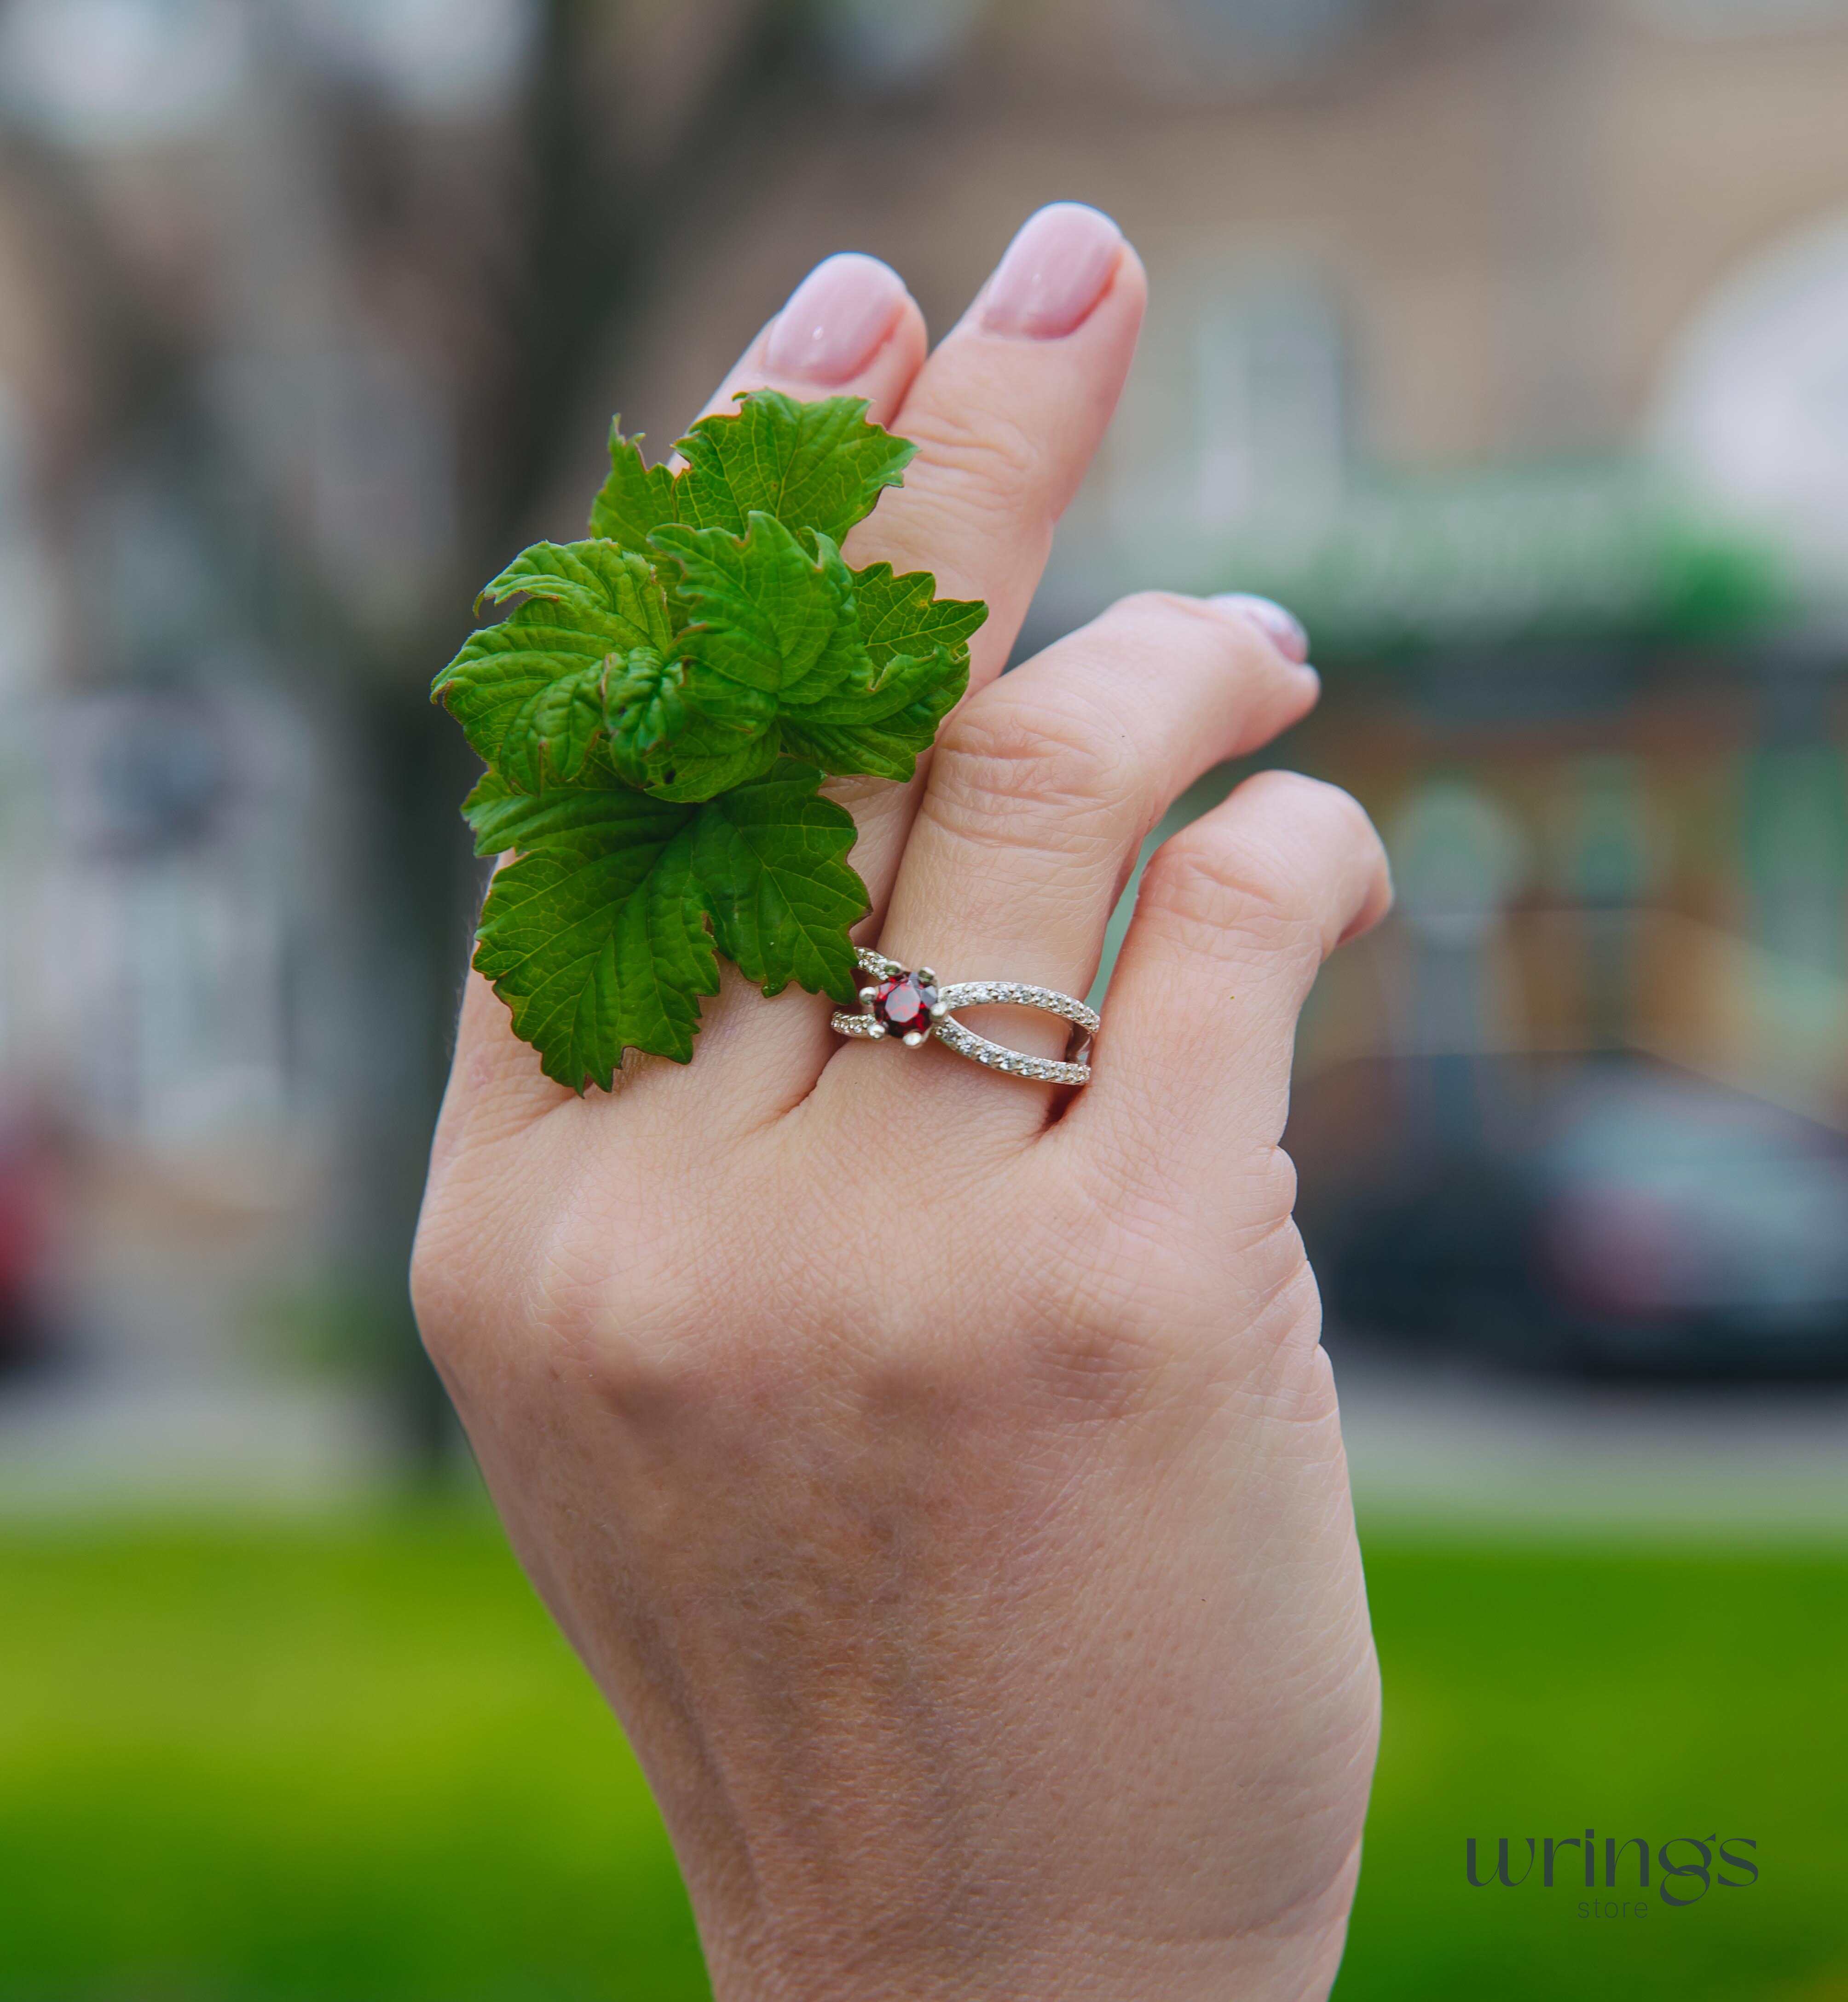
(850, 329)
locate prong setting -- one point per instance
(907, 1005)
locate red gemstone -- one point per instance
(903, 1004)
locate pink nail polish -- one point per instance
(1055, 271)
(836, 320)
(1284, 628)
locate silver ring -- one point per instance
(910, 1004)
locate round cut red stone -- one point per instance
(903, 1004)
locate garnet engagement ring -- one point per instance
(910, 1004)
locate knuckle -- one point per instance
(1167, 623)
(1207, 882)
(460, 1275)
(1334, 802)
(1279, 1180)
(1098, 1319)
(1161, 614)
(628, 1332)
(1090, 1342)
(436, 1293)
(651, 1380)
(1006, 750)
(1266, 1179)
(985, 461)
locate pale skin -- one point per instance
(939, 1472)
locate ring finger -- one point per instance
(1042, 790)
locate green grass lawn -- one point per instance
(1533, 1690)
(354, 1761)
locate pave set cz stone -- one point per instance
(910, 1004)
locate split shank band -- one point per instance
(910, 1006)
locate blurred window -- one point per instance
(163, 970)
(1459, 861)
(1608, 850)
(1270, 399)
(1796, 852)
(1239, 406)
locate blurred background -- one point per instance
(1506, 340)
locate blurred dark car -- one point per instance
(1641, 1220)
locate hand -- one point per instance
(941, 1476)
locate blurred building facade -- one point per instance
(1508, 344)
(1506, 338)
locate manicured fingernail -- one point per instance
(1055, 271)
(1282, 624)
(836, 320)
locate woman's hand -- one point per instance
(940, 1474)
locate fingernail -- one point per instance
(1282, 625)
(836, 320)
(1055, 271)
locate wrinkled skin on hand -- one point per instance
(939, 1473)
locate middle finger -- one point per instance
(1007, 414)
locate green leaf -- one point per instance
(597, 935)
(657, 711)
(767, 618)
(817, 467)
(636, 499)
(644, 708)
(657, 742)
(900, 614)
(559, 727)
(771, 862)
(705, 758)
(584, 603)
(917, 652)
(771, 624)
(881, 731)
(590, 578)
(589, 937)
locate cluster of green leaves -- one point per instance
(657, 715)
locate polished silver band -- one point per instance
(1075, 1070)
